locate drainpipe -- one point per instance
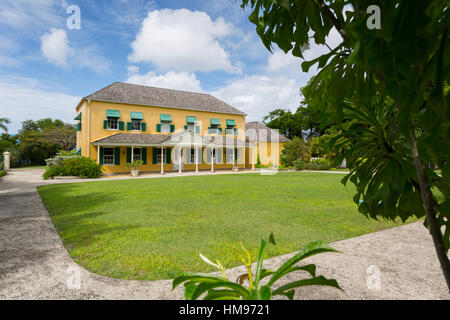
(88, 129)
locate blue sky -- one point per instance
(196, 45)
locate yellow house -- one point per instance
(169, 130)
(267, 142)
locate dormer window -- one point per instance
(191, 122)
(231, 128)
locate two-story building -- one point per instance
(169, 130)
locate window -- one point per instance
(137, 154)
(229, 131)
(113, 123)
(192, 155)
(165, 127)
(191, 127)
(213, 130)
(136, 124)
(108, 156)
(158, 156)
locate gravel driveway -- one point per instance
(35, 265)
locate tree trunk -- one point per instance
(429, 205)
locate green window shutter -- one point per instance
(158, 127)
(143, 126)
(235, 131)
(128, 126)
(79, 126)
(128, 155)
(117, 156)
(172, 128)
(154, 155)
(144, 155)
(101, 155)
(168, 153)
(121, 125)
(105, 124)
(197, 129)
(185, 127)
(236, 153)
(220, 130)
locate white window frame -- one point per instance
(164, 125)
(108, 156)
(110, 121)
(133, 156)
(214, 130)
(191, 127)
(229, 131)
(136, 125)
(159, 156)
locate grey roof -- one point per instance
(127, 93)
(134, 138)
(156, 139)
(258, 132)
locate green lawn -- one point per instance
(155, 228)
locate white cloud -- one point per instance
(23, 99)
(55, 47)
(30, 14)
(172, 80)
(129, 12)
(258, 95)
(183, 40)
(88, 57)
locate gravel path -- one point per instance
(35, 265)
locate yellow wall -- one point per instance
(265, 151)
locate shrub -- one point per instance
(2, 173)
(213, 287)
(74, 166)
(56, 171)
(299, 164)
(57, 160)
(133, 165)
(83, 167)
(319, 164)
(258, 161)
(293, 150)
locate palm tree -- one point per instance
(3, 123)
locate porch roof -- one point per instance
(151, 139)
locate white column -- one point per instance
(232, 166)
(253, 149)
(132, 153)
(6, 160)
(179, 160)
(162, 160)
(212, 160)
(98, 154)
(196, 159)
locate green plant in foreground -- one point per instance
(220, 288)
(133, 165)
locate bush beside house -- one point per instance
(73, 166)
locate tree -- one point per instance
(390, 81)
(293, 150)
(42, 139)
(3, 123)
(65, 136)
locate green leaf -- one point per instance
(317, 281)
(194, 278)
(311, 249)
(259, 262)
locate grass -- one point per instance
(154, 228)
(32, 167)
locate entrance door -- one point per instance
(176, 162)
